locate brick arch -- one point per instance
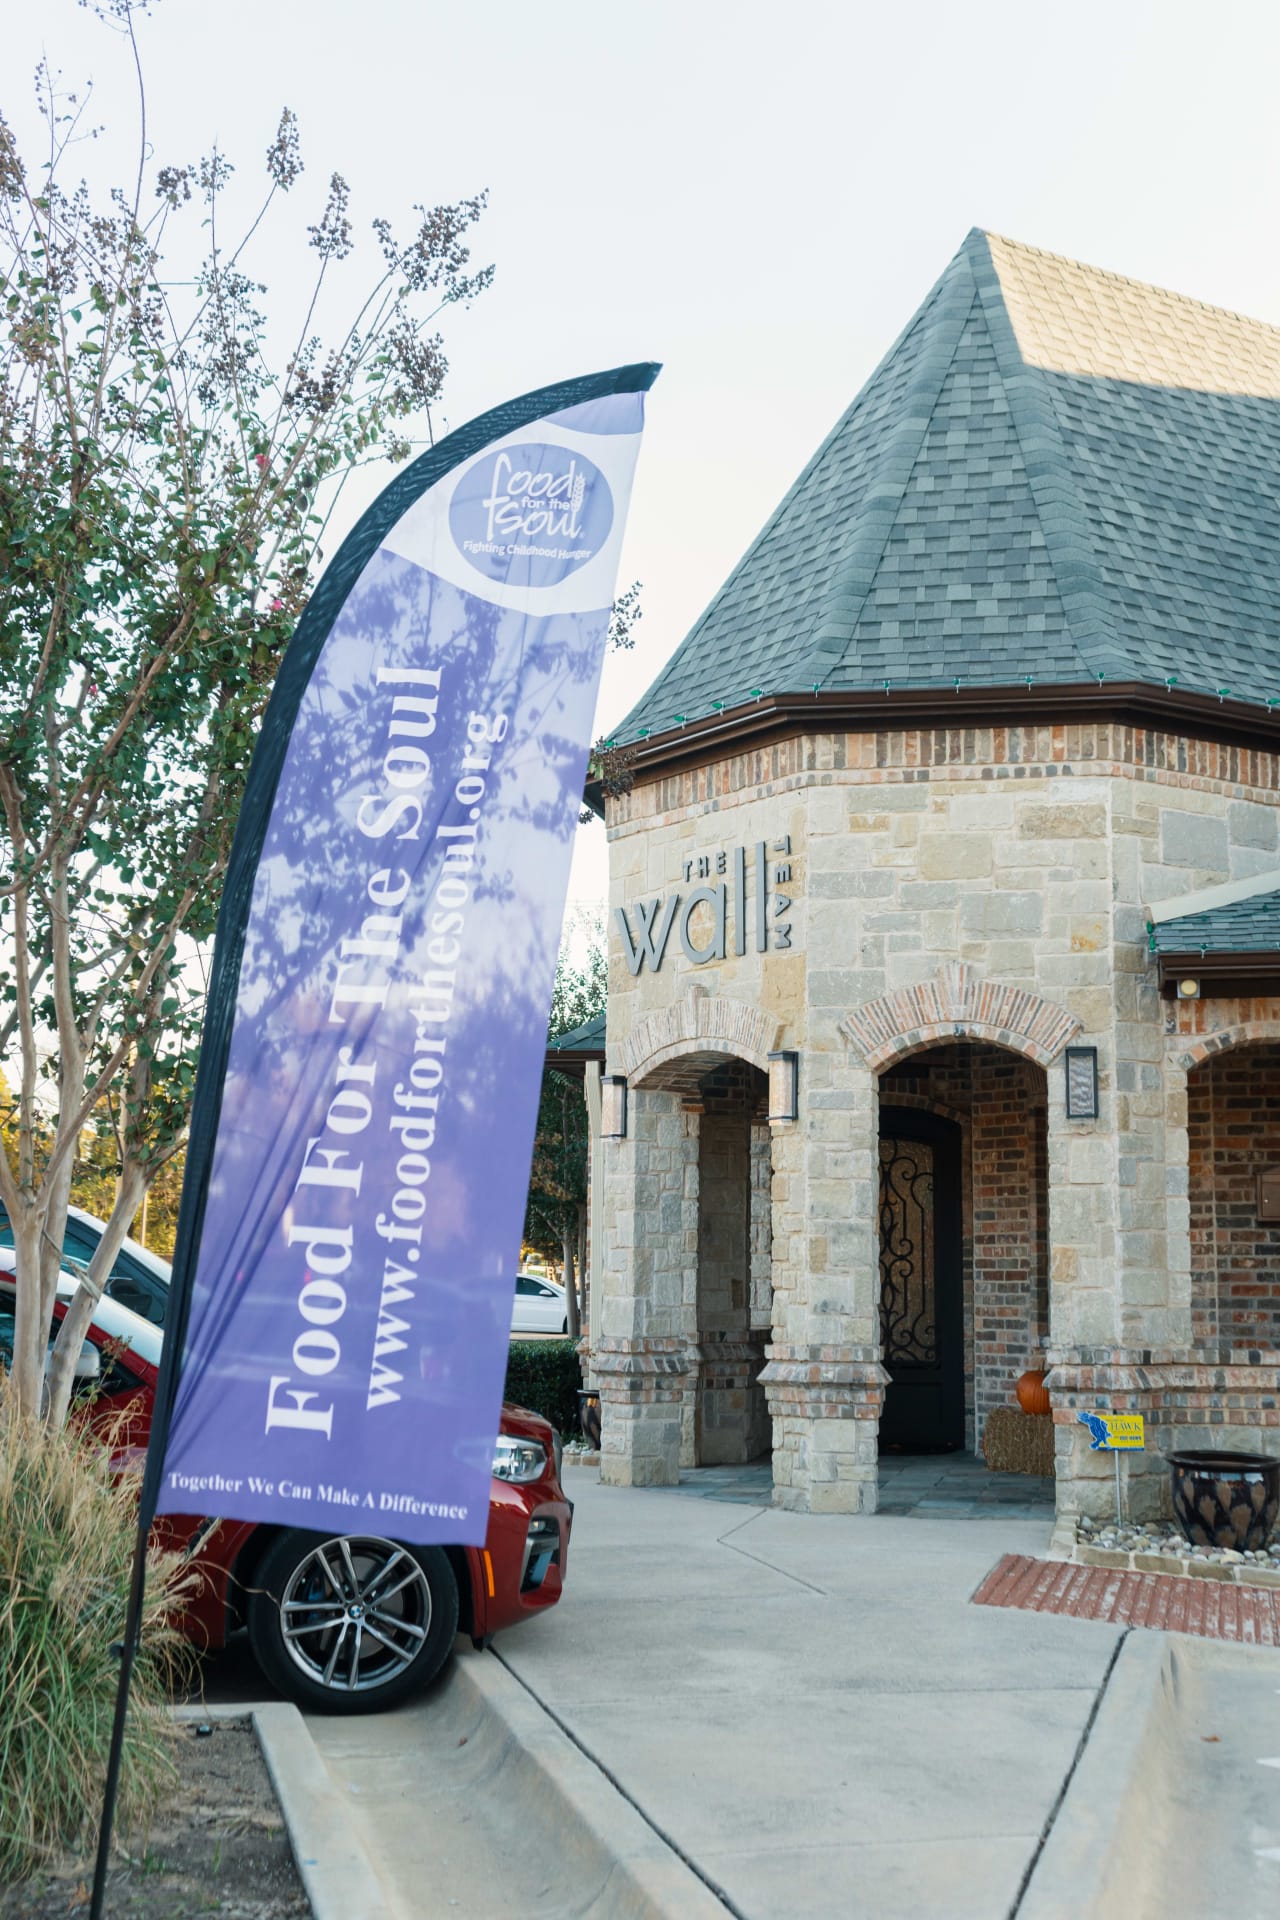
(957, 1005)
(922, 1103)
(693, 1035)
(1241, 1035)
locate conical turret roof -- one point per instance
(1055, 475)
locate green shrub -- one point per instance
(544, 1375)
(67, 1529)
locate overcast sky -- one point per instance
(757, 195)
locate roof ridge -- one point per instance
(1126, 280)
(877, 512)
(1059, 509)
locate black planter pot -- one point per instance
(589, 1415)
(1225, 1499)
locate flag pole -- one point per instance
(128, 1649)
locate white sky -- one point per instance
(759, 195)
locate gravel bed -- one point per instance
(1165, 1538)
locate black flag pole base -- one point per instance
(127, 1649)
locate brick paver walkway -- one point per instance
(1176, 1603)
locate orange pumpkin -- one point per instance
(1033, 1395)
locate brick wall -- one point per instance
(1233, 1127)
(1009, 1211)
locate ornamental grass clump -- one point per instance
(67, 1530)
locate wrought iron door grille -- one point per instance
(908, 1309)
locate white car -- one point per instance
(139, 1279)
(539, 1306)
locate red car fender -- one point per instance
(224, 1554)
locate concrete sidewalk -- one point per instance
(808, 1708)
(736, 1709)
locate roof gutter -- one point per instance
(775, 717)
(1241, 974)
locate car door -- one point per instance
(522, 1306)
(548, 1307)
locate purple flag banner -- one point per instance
(346, 1268)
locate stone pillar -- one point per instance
(644, 1346)
(1118, 1213)
(823, 1378)
(1120, 1304)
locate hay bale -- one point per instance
(1018, 1442)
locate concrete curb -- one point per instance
(1077, 1873)
(644, 1877)
(616, 1866)
(334, 1864)
(1141, 1784)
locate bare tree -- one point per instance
(164, 485)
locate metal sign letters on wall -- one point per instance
(727, 901)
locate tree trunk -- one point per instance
(75, 1324)
(570, 1287)
(31, 1332)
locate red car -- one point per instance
(347, 1623)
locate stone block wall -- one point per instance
(1027, 855)
(761, 1228)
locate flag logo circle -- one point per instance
(532, 513)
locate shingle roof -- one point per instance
(1240, 926)
(584, 1039)
(1054, 472)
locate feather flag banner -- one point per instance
(373, 1048)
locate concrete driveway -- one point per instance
(772, 1714)
(808, 1708)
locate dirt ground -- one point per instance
(217, 1846)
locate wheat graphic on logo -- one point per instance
(579, 489)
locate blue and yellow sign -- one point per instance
(1113, 1432)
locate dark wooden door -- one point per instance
(921, 1303)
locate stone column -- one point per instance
(823, 1377)
(1120, 1305)
(645, 1338)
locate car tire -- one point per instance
(565, 1327)
(319, 1634)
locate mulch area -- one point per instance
(217, 1846)
(1174, 1603)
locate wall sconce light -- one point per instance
(1082, 1083)
(613, 1106)
(1188, 989)
(784, 1081)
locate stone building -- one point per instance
(944, 1014)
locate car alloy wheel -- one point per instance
(354, 1622)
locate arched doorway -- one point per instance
(964, 1244)
(685, 1335)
